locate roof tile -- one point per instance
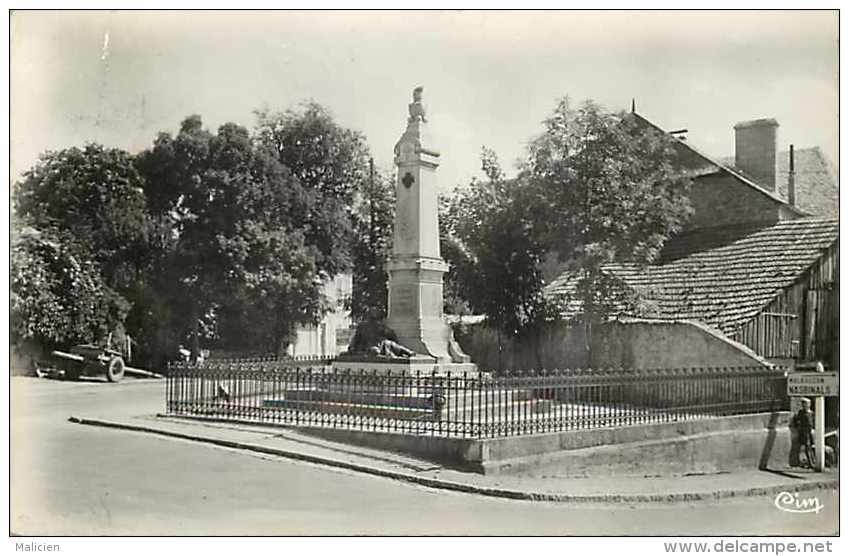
(722, 276)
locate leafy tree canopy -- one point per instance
(93, 195)
(57, 296)
(495, 251)
(203, 235)
(331, 162)
(374, 214)
(241, 249)
(605, 189)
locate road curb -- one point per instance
(471, 488)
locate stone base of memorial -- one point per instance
(402, 366)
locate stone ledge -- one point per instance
(409, 367)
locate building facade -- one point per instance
(332, 335)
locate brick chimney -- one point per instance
(755, 144)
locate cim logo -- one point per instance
(790, 502)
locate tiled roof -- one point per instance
(816, 180)
(722, 277)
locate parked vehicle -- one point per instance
(90, 359)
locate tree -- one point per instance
(454, 300)
(171, 308)
(275, 280)
(495, 251)
(202, 236)
(57, 296)
(241, 258)
(605, 190)
(81, 246)
(374, 214)
(94, 196)
(329, 161)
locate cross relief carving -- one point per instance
(408, 180)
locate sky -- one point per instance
(489, 77)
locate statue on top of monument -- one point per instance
(417, 109)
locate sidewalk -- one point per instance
(290, 443)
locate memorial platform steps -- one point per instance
(344, 408)
(421, 398)
(413, 408)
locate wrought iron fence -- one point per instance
(475, 405)
(269, 362)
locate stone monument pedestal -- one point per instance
(415, 309)
(416, 365)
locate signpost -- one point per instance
(817, 384)
(812, 384)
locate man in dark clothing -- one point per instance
(801, 426)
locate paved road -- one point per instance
(74, 479)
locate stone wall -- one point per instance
(23, 357)
(555, 347)
(668, 345)
(721, 199)
(636, 344)
(710, 445)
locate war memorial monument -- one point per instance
(416, 268)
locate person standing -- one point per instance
(801, 434)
